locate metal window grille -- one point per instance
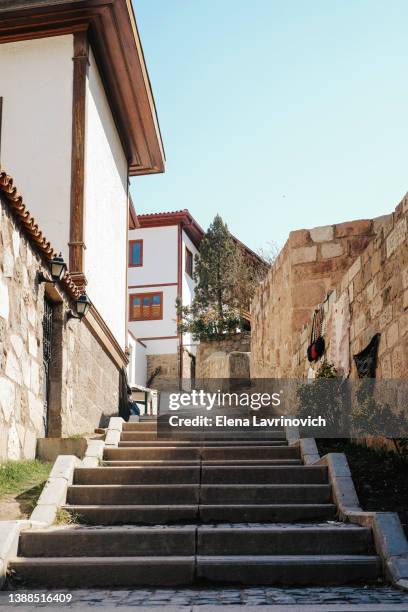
(47, 355)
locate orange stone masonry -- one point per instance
(310, 266)
(361, 263)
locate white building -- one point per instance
(162, 248)
(77, 120)
(68, 140)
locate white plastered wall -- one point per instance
(137, 367)
(160, 257)
(36, 135)
(188, 287)
(106, 203)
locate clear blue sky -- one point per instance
(277, 114)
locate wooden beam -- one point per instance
(76, 236)
(105, 338)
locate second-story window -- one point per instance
(135, 253)
(146, 306)
(189, 263)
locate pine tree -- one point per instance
(215, 308)
(226, 280)
(216, 268)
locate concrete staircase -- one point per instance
(174, 512)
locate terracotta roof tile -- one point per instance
(166, 213)
(30, 228)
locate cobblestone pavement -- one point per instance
(228, 596)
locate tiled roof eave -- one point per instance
(30, 228)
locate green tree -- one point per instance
(215, 310)
(226, 274)
(216, 268)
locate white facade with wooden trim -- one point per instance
(161, 264)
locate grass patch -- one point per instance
(63, 517)
(19, 477)
(380, 477)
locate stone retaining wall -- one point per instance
(169, 370)
(376, 290)
(215, 352)
(309, 265)
(359, 272)
(84, 381)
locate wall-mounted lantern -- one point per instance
(82, 305)
(57, 268)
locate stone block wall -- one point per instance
(21, 374)
(84, 385)
(309, 265)
(376, 290)
(92, 383)
(205, 366)
(169, 370)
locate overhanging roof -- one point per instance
(176, 217)
(119, 54)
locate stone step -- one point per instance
(140, 436)
(289, 569)
(177, 494)
(265, 494)
(109, 542)
(106, 572)
(264, 474)
(197, 443)
(198, 462)
(222, 453)
(194, 494)
(138, 475)
(283, 540)
(220, 475)
(272, 513)
(188, 540)
(142, 426)
(193, 513)
(180, 570)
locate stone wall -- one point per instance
(375, 288)
(169, 370)
(92, 383)
(235, 343)
(309, 265)
(83, 379)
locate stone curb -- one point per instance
(292, 435)
(54, 492)
(389, 538)
(93, 454)
(9, 535)
(308, 448)
(114, 432)
(52, 496)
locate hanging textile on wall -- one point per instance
(366, 360)
(316, 347)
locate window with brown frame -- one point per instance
(189, 263)
(135, 253)
(146, 306)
